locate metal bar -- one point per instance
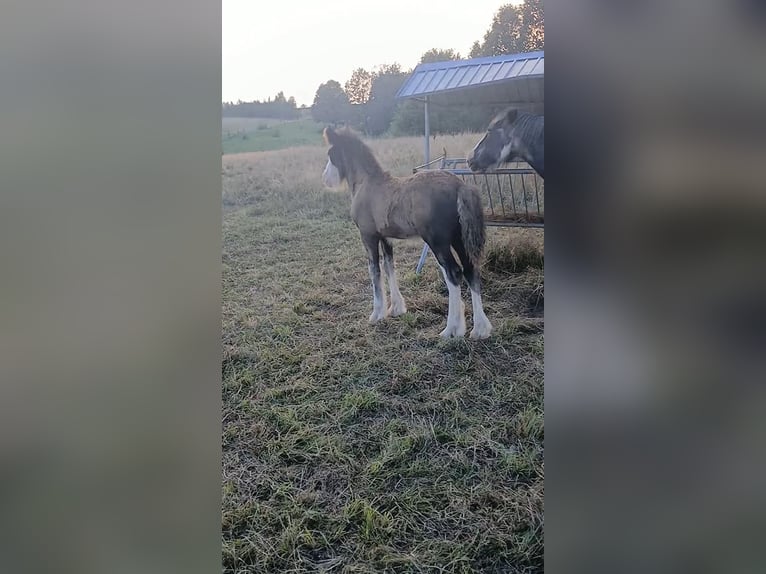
(427, 154)
(513, 195)
(422, 260)
(494, 223)
(524, 188)
(428, 165)
(537, 195)
(466, 171)
(500, 191)
(427, 127)
(489, 194)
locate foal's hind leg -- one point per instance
(453, 277)
(397, 306)
(482, 328)
(378, 294)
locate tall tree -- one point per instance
(388, 69)
(534, 20)
(359, 86)
(381, 107)
(330, 103)
(437, 55)
(514, 29)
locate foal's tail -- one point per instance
(471, 215)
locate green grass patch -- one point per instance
(252, 134)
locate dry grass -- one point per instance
(351, 448)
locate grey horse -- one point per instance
(512, 134)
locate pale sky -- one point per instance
(295, 45)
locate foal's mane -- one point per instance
(357, 153)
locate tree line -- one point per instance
(280, 108)
(366, 101)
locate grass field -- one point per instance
(240, 135)
(357, 448)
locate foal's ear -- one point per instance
(510, 115)
(329, 135)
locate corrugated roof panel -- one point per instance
(494, 70)
(470, 74)
(440, 77)
(527, 67)
(481, 71)
(505, 69)
(407, 92)
(419, 83)
(426, 77)
(434, 80)
(461, 72)
(516, 68)
(449, 74)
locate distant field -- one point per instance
(245, 124)
(240, 135)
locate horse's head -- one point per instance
(498, 145)
(348, 159)
(335, 171)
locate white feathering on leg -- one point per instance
(482, 328)
(456, 314)
(397, 306)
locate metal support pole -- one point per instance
(428, 133)
(422, 260)
(427, 153)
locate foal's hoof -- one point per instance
(376, 317)
(480, 334)
(396, 310)
(481, 330)
(453, 331)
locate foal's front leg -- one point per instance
(378, 294)
(397, 306)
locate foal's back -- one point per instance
(407, 206)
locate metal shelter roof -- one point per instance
(512, 78)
